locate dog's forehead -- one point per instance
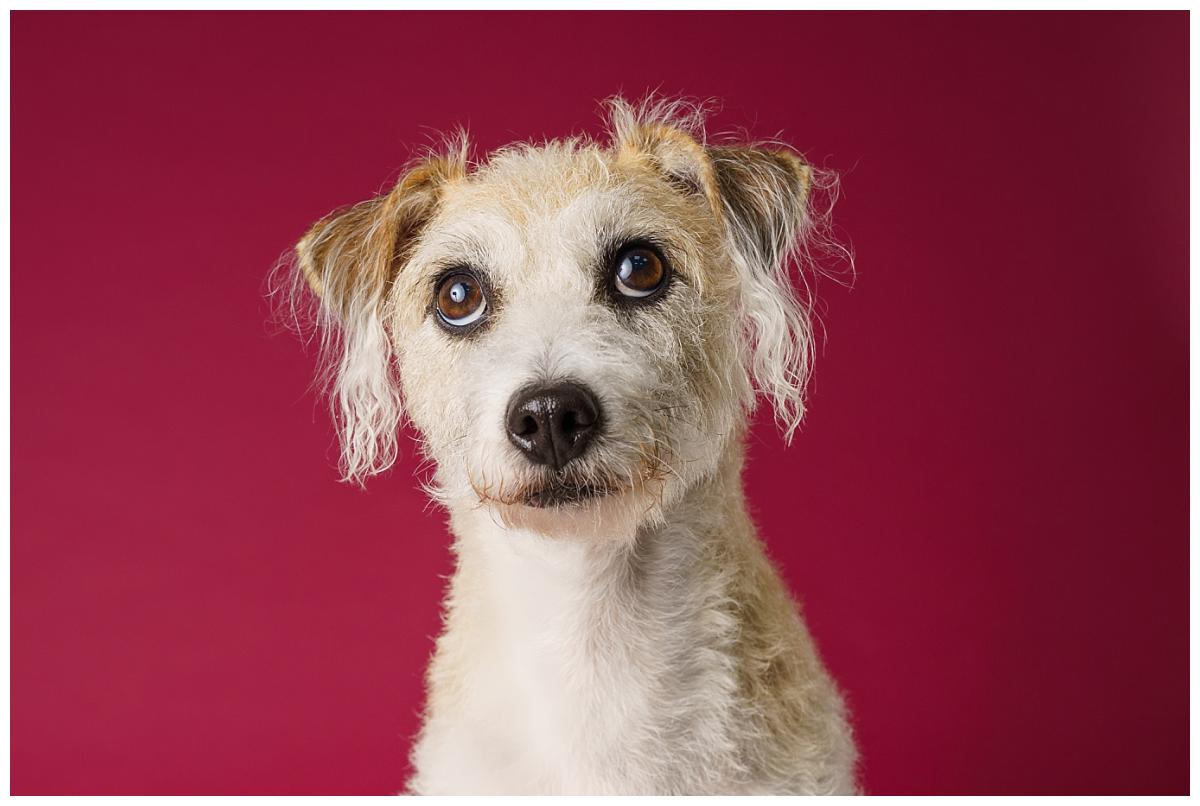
(551, 197)
(532, 183)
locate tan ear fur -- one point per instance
(764, 194)
(357, 250)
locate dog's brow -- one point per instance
(610, 240)
(454, 250)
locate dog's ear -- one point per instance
(349, 260)
(669, 151)
(759, 197)
(357, 250)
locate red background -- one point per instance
(985, 514)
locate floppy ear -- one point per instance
(762, 198)
(349, 259)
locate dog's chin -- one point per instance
(586, 512)
(558, 495)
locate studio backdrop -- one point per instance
(984, 513)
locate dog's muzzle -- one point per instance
(553, 424)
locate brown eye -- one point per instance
(460, 299)
(639, 272)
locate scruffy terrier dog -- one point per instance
(578, 331)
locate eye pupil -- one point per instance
(460, 300)
(639, 272)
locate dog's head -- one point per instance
(576, 329)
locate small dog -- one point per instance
(578, 331)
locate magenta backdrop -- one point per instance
(985, 514)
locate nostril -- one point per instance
(553, 424)
(573, 421)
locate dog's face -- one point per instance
(573, 329)
(565, 338)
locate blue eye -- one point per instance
(460, 299)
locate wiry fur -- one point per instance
(636, 642)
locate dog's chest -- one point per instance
(567, 669)
(569, 680)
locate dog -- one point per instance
(578, 331)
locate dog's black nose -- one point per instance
(553, 424)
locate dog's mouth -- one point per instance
(561, 494)
(572, 488)
(547, 492)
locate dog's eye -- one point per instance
(639, 272)
(460, 299)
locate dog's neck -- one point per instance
(605, 645)
(569, 665)
(553, 609)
